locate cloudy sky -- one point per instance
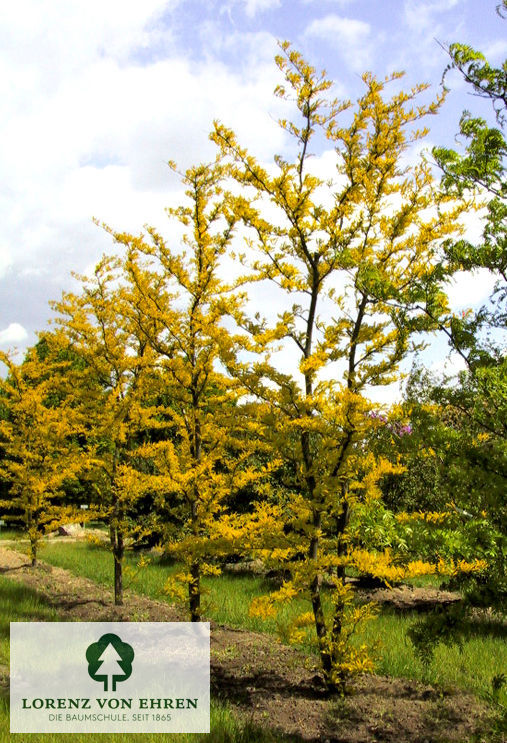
(96, 96)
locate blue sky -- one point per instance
(98, 95)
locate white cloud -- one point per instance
(5, 259)
(387, 394)
(349, 36)
(413, 42)
(448, 366)
(470, 289)
(496, 50)
(420, 14)
(14, 333)
(252, 7)
(89, 127)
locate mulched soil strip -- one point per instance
(274, 685)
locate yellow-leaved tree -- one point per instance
(102, 331)
(201, 442)
(359, 259)
(38, 438)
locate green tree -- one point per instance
(480, 168)
(477, 400)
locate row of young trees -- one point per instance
(163, 396)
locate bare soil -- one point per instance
(410, 598)
(274, 685)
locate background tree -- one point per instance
(102, 330)
(38, 436)
(201, 449)
(474, 404)
(456, 458)
(480, 169)
(361, 258)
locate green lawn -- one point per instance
(6, 533)
(483, 655)
(19, 604)
(225, 728)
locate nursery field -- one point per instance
(452, 699)
(227, 598)
(283, 412)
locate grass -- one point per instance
(224, 726)
(227, 598)
(20, 603)
(6, 533)
(472, 667)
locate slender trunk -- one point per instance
(118, 552)
(194, 585)
(316, 584)
(118, 549)
(194, 592)
(116, 536)
(29, 520)
(337, 682)
(341, 525)
(313, 554)
(313, 551)
(339, 677)
(316, 598)
(339, 607)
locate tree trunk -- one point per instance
(341, 525)
(318, 611)
(118, 551)
(339, 607)
(339, 677)
(33, 552)
(194, 593)
(320, 627)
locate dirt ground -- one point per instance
(274, 685)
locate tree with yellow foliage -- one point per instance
(102, 332)
(200, 450)
(38, 436)
(360, 262)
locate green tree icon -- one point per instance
(110, 660)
